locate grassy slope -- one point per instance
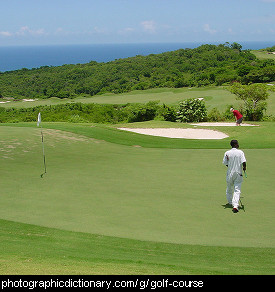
(159, 214)
(30, 249)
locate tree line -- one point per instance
(204, 65)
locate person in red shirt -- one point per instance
(238, 116)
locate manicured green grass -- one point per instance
(262, 55)
(155, 209)
(30, 249)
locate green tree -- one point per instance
(236, 46)
(253, 96)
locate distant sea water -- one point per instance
(18, 57)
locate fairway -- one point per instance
(172, 196)
(214, 96)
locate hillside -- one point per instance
(207, 64)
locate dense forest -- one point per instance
(204, 65)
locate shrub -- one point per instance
(191, 110)
(142, 112)
(89, 113)
(167, 113)
(269, 118)
(252, 113)
(76, 119)
(214, 115)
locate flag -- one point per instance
(38, 120)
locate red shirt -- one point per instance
(237, 114)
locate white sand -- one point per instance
(218, 124)
(179, 133)
(25, 99)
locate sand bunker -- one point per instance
(179, 133)
(218, 124)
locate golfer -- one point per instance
(238, 116)
(235, 160)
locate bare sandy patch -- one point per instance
(52, 136)
(179, 133)
(65, 135)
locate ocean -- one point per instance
(18, 57)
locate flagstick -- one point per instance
(44, 157)
(42, 138)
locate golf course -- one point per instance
(117, 202)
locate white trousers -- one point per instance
(233, 190)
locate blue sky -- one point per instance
(40, 22)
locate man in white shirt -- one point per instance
(235, 160)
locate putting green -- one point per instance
(152, 194)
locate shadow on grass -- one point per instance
(228, 206)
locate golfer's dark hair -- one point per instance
(234, 143)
